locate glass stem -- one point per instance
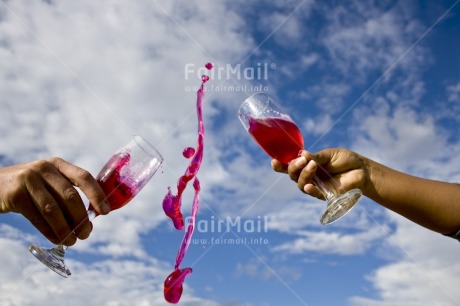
(325, 190)
(60, 250)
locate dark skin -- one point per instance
(429, 203)
(44, 192)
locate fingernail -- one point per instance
(300, 162)
(311, 165)
(305, 188)
(105, 207)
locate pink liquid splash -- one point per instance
(172, 203)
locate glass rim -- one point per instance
(147, 147)
(255, 97)
(252, 97)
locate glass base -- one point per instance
(52, 258)
(339, 205)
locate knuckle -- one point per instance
(55, 160)
(25, 175)
(83, 174)
(41, 165)
(50, 208)
(70, 194)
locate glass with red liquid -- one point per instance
(122, 177)
(278, 135)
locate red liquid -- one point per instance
(191, 225)
(278, 137)
(118, 191)
(173, 285)
(172, 203)
(188, 152)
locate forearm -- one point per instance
(432, 204)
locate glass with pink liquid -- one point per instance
(122, 177)
(277, 134)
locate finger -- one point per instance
(278, 166)
(30, 211)
(313, 191)
(296, 166)
(307, 174)
(51, 212)
(70, 202)
(309, 156)
(86, 182)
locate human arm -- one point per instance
(44, 192)
(429, 203)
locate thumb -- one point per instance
(328, 160)
(323, 157)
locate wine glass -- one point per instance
(278, 135)
(122, 177)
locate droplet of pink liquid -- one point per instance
(204, 78)
(188, 152)
(209, 66)
(171, 207)
(173, 285)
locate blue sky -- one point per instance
(78, 78)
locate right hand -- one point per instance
(44, 192)
(345, 170)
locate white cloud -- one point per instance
(424, 274)
(318, 126)
(111, 282)
(399, 136)
(368, 38)
(333, 242)
(258, 269)
(454, 92)
(121, 282)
